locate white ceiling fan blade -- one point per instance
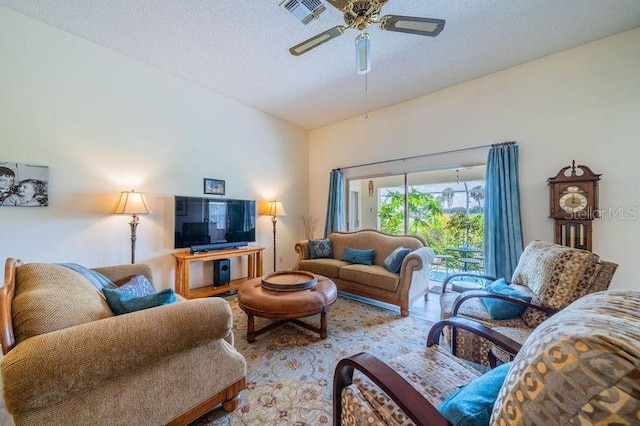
(339, 4)
(317, 40)
(412, 25)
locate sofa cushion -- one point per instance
(327, 267)
(603, 278)
(393, 262)
(596, 341)
(434, 372)
(474, 308)
(373, 276)
(558, 275)
(320, 249)
(364, 257)
(51, 297)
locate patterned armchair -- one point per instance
(552, 275)
(581, 366)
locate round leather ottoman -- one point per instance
(286, 306)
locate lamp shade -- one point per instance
(131, 202)
(274, 208)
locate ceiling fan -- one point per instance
(359, 14)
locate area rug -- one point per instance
(290, 369)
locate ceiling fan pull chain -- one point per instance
(366, 96)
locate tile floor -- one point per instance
(427, 309)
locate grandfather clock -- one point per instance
(574, 205)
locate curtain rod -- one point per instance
(453, 151)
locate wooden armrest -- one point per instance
(449, 278)
(415, 406)
(303, 250)
(485, 294)
(498, 339)
(7, 293)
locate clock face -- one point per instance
(573, 200)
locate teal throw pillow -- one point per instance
(320, 249)
(393, 262)
(502, 309)
(472, 404)
(364, 257)
(122, 302)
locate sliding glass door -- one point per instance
(444, 207)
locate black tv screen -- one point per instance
(213, 223)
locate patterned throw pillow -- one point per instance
(320, 249)
(137, 286)
(363, 257)
(393, 262)
(534, 317)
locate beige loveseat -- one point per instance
(373, 281)
(69, 361)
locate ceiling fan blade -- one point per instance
(412, 25)
(339, 4)
(317, 40)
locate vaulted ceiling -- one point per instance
(239, 48)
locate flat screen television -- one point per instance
(204, 224)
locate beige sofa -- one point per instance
(373, 281)
(68, 360)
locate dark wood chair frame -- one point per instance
(412, 402)
(483, 294)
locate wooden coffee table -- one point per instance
(286, 306)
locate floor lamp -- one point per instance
(133, 203)
(274, 209)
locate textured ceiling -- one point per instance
(239, 48)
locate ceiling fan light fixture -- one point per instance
(363, 54)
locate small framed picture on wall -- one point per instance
(214, 186)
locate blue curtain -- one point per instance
(502, 224)
(335, 203)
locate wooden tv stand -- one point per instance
(183, 269)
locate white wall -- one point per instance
(104, 123)
(582, 104)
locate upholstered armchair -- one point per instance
(581, 366)
(552, 276)
(69, 360)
